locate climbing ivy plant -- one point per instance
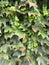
(24, 32)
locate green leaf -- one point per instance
(42, 33)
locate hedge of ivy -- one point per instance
(24, 32)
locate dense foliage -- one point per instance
(24, 32)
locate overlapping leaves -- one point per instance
(24, 32)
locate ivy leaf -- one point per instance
(32, 4)
(42, 33)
